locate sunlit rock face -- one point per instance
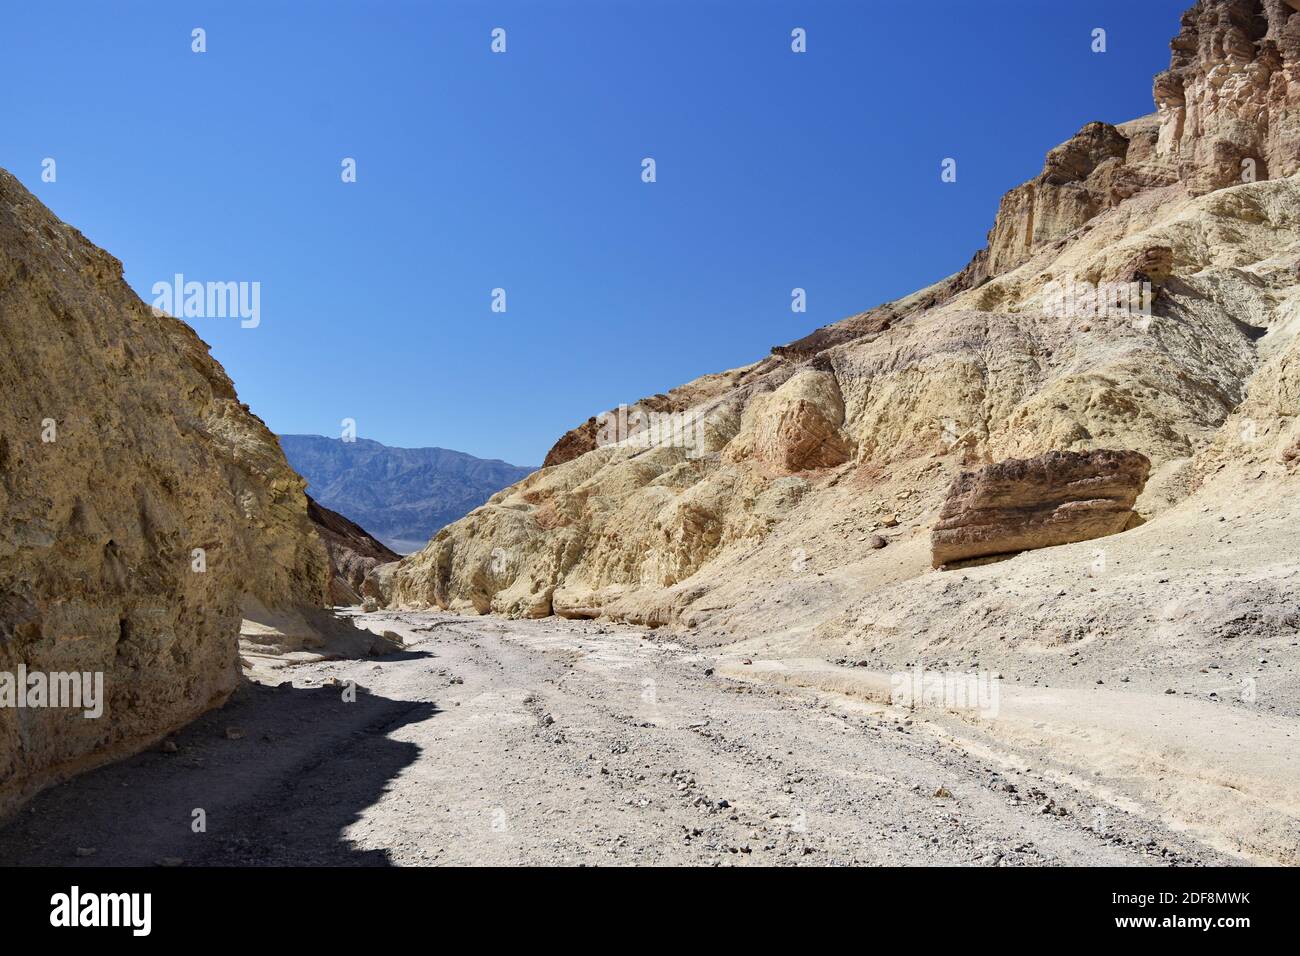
(763, 522)
(1023, 504)
(1229, 104)
(140, 505)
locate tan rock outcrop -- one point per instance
(1023, 504)
(378, 583)
(859, 428)
(1229, 104)
(595, 431)
(141, 505)
(797, 427)
(1076, 183)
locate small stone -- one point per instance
(234, 733)
(84, 851)
(876, 542)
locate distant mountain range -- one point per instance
(402, 496)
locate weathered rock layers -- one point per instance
(1228, 102)
(140, 505)
(1080, 178)
(857, 430)
(1227, 112)
(1056, 498)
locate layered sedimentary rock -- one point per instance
(1080, 178)
(1022, 504)
(353, 552)
(1229, 104)
(1227, 112)
(141, 505)
(797, 463)
(593, 433)
(796, 427)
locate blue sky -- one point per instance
(522, 171)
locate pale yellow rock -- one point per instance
(795, 428)
(141, 505)
(888, 405)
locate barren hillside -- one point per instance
(751, 497)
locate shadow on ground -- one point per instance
(279, 773)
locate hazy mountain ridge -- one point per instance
(402, 496)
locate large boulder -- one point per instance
(1022, 504)
(797, 427)
(378, 584)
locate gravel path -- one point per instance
(555, 742)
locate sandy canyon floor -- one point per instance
(491, 741)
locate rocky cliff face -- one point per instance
(1228, 102)
(1227, 112)
(141, 505)
(1081, 177)
(756, 508)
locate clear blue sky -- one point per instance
(523, 171)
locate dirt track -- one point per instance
(551, 742)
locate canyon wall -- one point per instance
(754, 497)
(141, 505)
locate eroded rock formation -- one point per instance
(1081, 177)
(796, 427)
(857, 430)
(1022, 504)
(141, 505)
(1228, 102)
